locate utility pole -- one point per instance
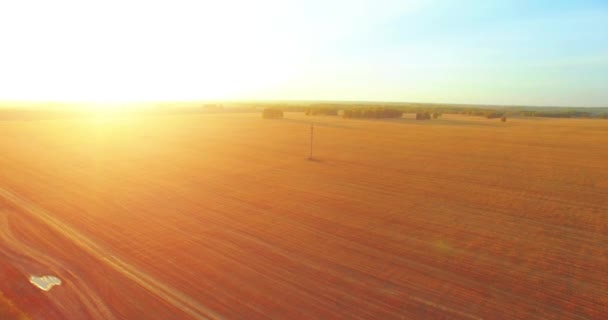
(311, 136)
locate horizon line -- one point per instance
(297, 101)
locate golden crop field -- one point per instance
(223, 217)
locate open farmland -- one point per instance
(222, 216)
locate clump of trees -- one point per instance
(272, 113)
(372, 113)
(325, 111)
(473, 112)
(557, 114)
(436, 115)
(494, 114)
(423, 115)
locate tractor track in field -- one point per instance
(171, 295)
(28, 258)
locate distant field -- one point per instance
(221, 216)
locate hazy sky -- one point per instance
(548, 52)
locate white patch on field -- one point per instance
(45, 282)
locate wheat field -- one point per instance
(221, 216)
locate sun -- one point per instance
(167, 52)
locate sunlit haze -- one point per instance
(499, 52)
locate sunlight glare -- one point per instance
(138, 50)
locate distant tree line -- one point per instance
(474, 112)
(494, 114)
(558, 114)
(272, 113)
(390, 110)
(423, 115)
(325, 111)
(371, 113)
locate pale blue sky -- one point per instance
(487, 52)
